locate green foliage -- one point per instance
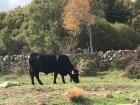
(87, 67)
(37, 25)
(136, 7)
(113, 11)
(2, 16)
(127, 38)
(136, 23)
(107, 36)
(8, 43)
(104, 35)
(14, 19)
(116, 63)
(98, 7)
(121, 63)
(44, 25)
(116, 11)
(133, 71)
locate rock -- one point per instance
(119, 92)
(137, 102)
(119, 51)
(6, 58)
(9, 84)
(108, 95)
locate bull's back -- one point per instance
(44, 63)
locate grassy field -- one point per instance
(122, 90)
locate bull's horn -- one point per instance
(73, 72)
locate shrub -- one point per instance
(127, 38)
(87, 67)
(136, 23)
(75, 94)
(133, 71)
(137, 55)
(116, 64)
(106, 35)
(21, 68)
(121, 63)
(103, 65)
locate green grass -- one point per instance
(123, 90)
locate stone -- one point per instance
(119, 92)
(9, 84)
(108, 95)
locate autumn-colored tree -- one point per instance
(137, 7)
(77, 17)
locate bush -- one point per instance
(136, 23)
(87, 67)
(103, 65)
(127, 38)
(107, 36)
(133, 71)
(75, 94)
(137, 55)
(116, 64)
(104, 36)
(121, 63)
(21, 68)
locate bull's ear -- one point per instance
(73, 72)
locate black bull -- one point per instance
(57, 64)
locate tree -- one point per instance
(44, 24)
(14, 19)
(117, 11)
(2, 17)
(137, 7)
(77, 18)
(37, 25)
(136, 23)
(98, 7)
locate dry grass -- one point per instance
(87, 67)
(75, 94)
(124, 90)
(133, 71)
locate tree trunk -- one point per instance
(91, 41)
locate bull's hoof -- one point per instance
(54, 82)
(41, 83)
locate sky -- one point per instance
(6, 5)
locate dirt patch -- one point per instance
(100, 90)
(42, 95)
(33, 96)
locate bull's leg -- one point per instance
(32, 76)
(63, 79)
(32, 79)
(38, 79)
(55, 76)
(70, 79)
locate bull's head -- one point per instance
(75, 75)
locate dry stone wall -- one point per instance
(18, 64)
(14, 64)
